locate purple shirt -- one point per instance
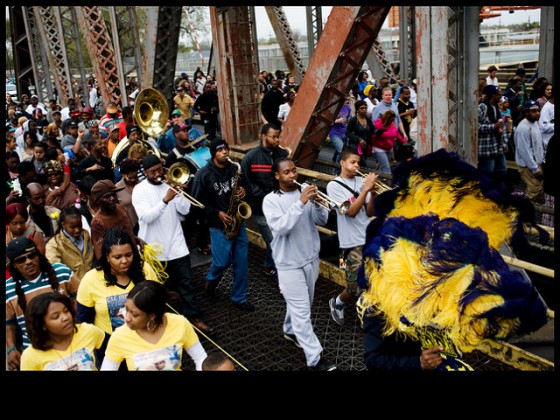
(339, 129)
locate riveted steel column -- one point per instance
(43, 85)
(314, 27)
(39, 59)
(345, 42)
(73, 42)
(118, 54)
(100, 48)
(22, 22)
(50, 28)
(546, 43)
(165, 60)
(468, 84)
(237, 73)
(431, 74)
(406, 44)
(286, 40)
(149, 47)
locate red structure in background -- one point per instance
(488, 12)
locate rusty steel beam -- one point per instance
(23, 30)
(73, 41)
(314, 27)
(237, 74)
(100, 48)
(346, 40)
(50, 27)
(287, 41)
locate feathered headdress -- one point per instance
(431, 263)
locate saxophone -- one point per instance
(238, 210)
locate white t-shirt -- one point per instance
(351, 230)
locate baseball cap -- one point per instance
(34, 96)
(19, 246)
(180, 89)
(52, 167)
(113, 127)
(73, 124)
(183, 74)
(531, 104)
(180, 127)
(367, 90)
(87, 110)
(131, 129)
(177, 112)
(75, 113)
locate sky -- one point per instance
(297, 19)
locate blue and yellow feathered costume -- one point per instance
(431, 263)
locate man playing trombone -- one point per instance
(159, 208)
(351, 226)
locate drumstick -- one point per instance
(198, 140)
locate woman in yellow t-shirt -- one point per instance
(57, 342)
(103, 290)
(152, 338)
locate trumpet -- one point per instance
(380, 187)
(327, 202)
(179, 174)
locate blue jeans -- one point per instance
(384, 159)
(264, 230)
(493, 165)
(230, 252)
(338, 143)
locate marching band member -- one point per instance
(217, 186)
(292, 218)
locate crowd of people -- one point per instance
(88, 197)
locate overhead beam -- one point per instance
(346, 40)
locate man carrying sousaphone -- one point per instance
(120, 153)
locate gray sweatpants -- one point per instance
(298, 288)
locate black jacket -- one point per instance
(388, 353)
(212, 186)
(257, 174)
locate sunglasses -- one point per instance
(22, 258)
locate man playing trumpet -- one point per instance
(351, 226)
(292, 216)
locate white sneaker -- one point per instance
(337, 311)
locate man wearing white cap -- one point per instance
(34, 105)
(529, 151)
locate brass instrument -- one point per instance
(179, 174)
(287, 149)
(151, 112)
(238, 210)
(380, 186)
(327, 202)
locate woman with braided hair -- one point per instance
(31, 274)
